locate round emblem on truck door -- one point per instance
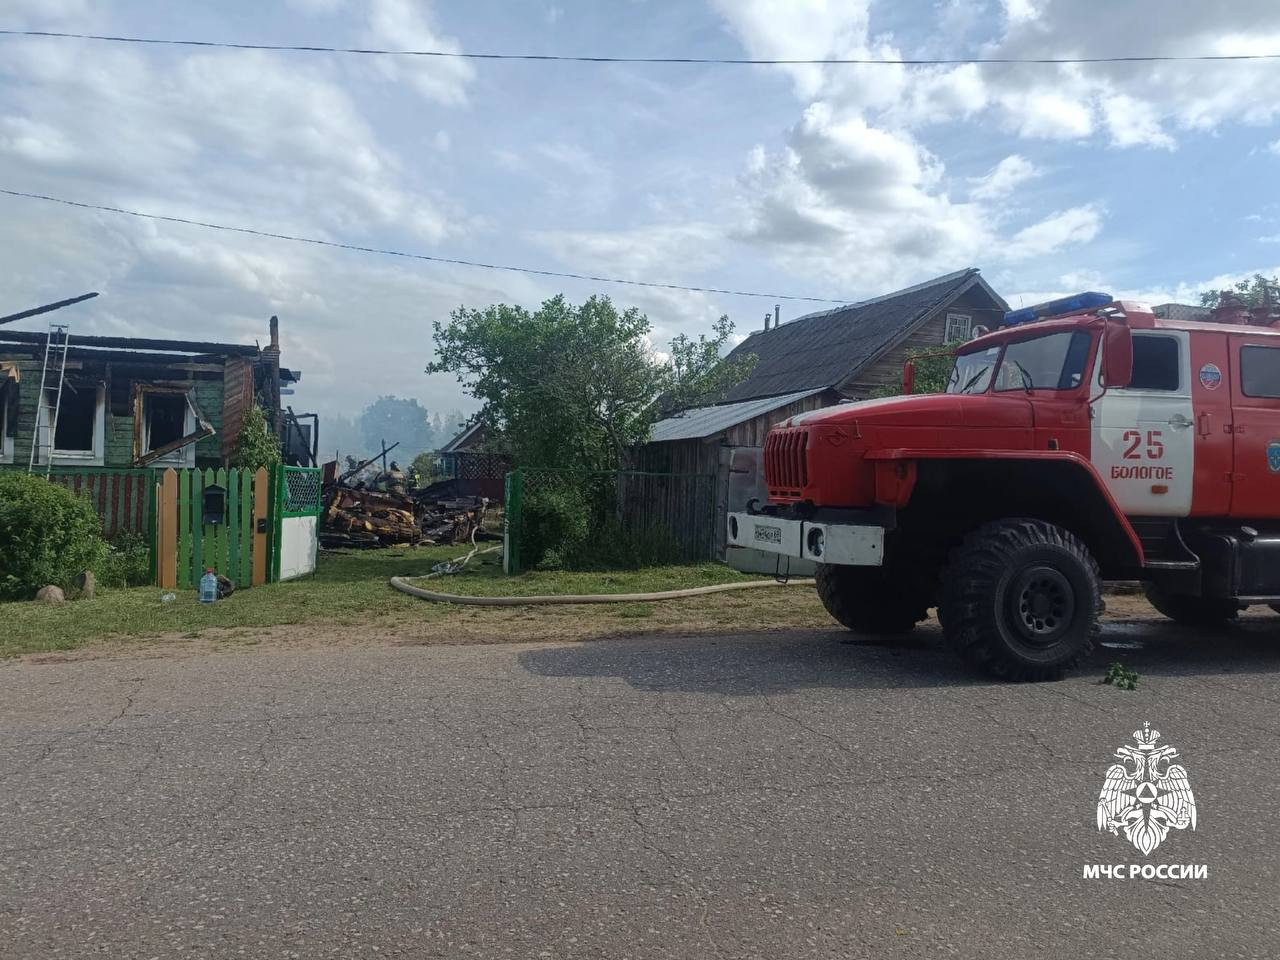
(1273, 456)
(1210, 376)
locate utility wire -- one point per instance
(413, 256)
(739, 61)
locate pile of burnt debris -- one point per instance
(376, 510)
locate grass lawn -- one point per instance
(350, 588)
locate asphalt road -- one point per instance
(711, 796)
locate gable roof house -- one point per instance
(816, 361)
(133, 402)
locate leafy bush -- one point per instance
(48, 535)
(556, 524)
(256, 446)
(126, 562)
(618, 547)
(570, 523)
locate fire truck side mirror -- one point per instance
(1117, 355)
(909, 377)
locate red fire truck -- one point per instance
(1084, 440)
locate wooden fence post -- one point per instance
(261, 499)
(167, 507)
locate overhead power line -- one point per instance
(413, 256)
(739, 61)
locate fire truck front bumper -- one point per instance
(850, 544)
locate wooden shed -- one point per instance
(816, 361)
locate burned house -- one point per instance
(133, 402)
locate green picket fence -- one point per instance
(188, 545)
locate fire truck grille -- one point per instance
(786, 468)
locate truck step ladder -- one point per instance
(55, 366)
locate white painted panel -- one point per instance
(299, 541)
(844, 543)
(769, 534)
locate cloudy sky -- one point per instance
(1151, 180)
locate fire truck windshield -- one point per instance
(1055, 361)
(972, 372)
(1052, 362)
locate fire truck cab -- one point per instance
(1083, 440)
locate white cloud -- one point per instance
(407, 25)
(1133, 122)
(1274, 147)
(799, 30)
(1047, 113)
(1273, 238)
(1065, 228)
(1020, 11)
(856, 205)
(1005, 177)
(663, 252)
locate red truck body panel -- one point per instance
(1198, 446)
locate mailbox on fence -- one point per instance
(215, 505)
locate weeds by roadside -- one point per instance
(1121, 677)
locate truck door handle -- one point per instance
(1179, 422)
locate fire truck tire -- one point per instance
(1021, 600)
(1193, 611)
(869, 599)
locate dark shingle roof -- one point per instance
(822, 349)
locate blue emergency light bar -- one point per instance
(1076, 303)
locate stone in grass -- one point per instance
(50, 594)
(88, 585)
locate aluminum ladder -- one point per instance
(55, 363)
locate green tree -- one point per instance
(256, 446)
(570, 385)
(395, 419)
(933, 370)
(1254, 291)
(698, 374)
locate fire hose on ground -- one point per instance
(456, 566)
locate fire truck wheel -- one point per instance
(1193, 611)
(869, 599)
(1021, 600)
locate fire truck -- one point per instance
(1084, 440)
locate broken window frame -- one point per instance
(93, 456)
(182, 457)
(8, 420)
(195, 426)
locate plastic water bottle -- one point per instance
(208, 587)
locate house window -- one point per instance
(166, 417)
(79, 433)
(959, 325)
